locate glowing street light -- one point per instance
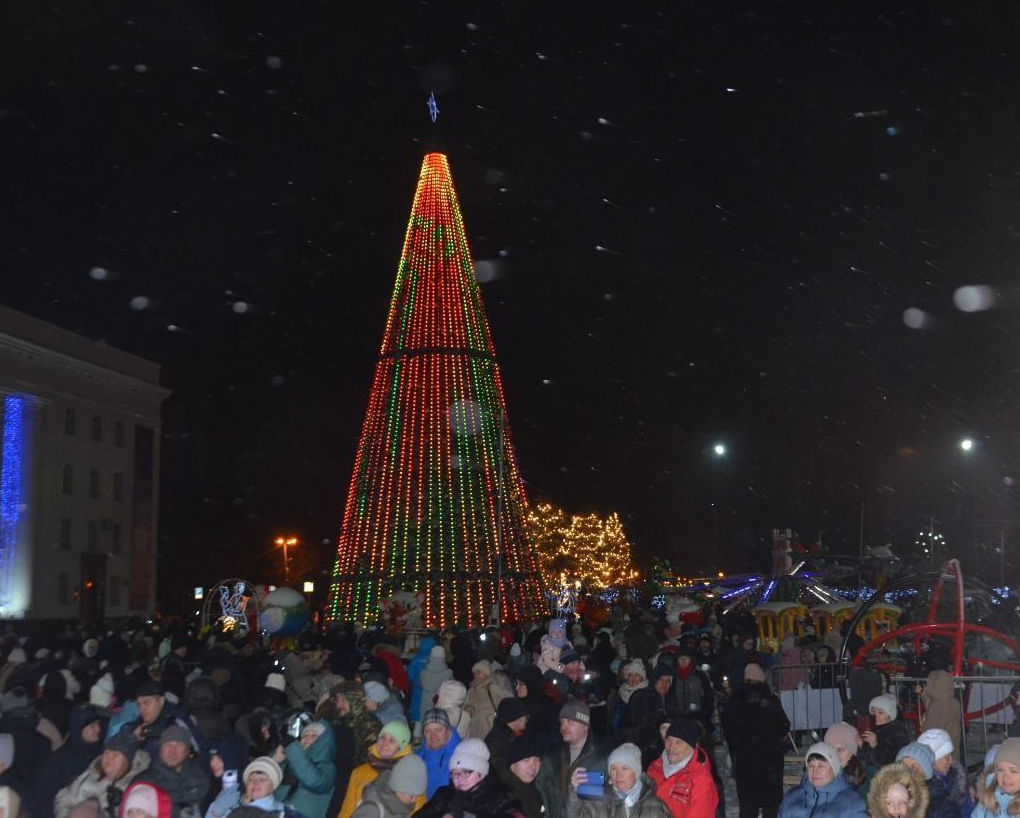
(966, 444)
(719, 449)
(285, 543)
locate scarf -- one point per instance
(669, 770)
(631, 796)
(626, 691)
(684, 672)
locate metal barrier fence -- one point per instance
(812, 701)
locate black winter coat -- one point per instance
(489, 798)
(941, 804)
(755, 727)
(67, 763)
(529, 797)
(892, 737)
(31, 749)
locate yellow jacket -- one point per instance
(365, 774)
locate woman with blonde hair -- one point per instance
(897, 792)
(999, 798)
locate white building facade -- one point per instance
(79, 474)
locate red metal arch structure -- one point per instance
(955, 631)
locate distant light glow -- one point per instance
(915, 318)
(974, 298)
(966, 444)
(719, 449)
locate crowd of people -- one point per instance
(643, 717)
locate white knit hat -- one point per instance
(885, 703)
(627, 754)
(409, 776)
(938, 740)
(826, 751)
(636, 667)
(471, 754)
(275, 681)
(268, 767)
(451, 694)
(143, 797)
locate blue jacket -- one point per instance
(941, 804)
(414, 670)
(1003, 801)
(315, 770)
(437, 763)
(837, 799)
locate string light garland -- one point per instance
(436, 503)
(583, 547)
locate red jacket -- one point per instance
(398, 673)
(689, 793)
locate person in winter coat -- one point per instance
(824, 792)
(473, 788)
(363, 724)
(635, 678)
(947, 772)
(825, 668)
(889, 737)
(393, 744)
(897, 792)
(488, 689)
(180, 772)
(310, 761)
(543, 724)
(577, 749)
(525, 760)
(119, 764)
(395, 793)
(693, 691)
(920, 759)
(57, 699)
(683, 775)
(84, 743)
(462, 649)
(31, 747)
(261, 779)
(791, 677)
(1000, 800)
(865, 685)
(144, 800)
(511, 722)
(156, 713)
(846, 741)
(414, 669)
(755, 727)
(435, 672)
(627, 793)
(450, 697)
(941, 708)
(336, 711)
(440, 740)
(383, 704)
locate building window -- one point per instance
(115, 538)
(70, 420)
(62, 589)
(118, 434)
(114, 591)
(93, 535)
(118, 486)
(97, 428)
(68, 479)
(94, 484)
(65, 533)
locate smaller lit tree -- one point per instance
(586, 547)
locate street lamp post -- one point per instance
(286, 542)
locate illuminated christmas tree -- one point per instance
(436, 504)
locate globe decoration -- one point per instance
(284, 612)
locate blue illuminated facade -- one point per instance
(13, 460)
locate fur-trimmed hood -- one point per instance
(898, 774)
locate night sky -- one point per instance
(698, 222)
